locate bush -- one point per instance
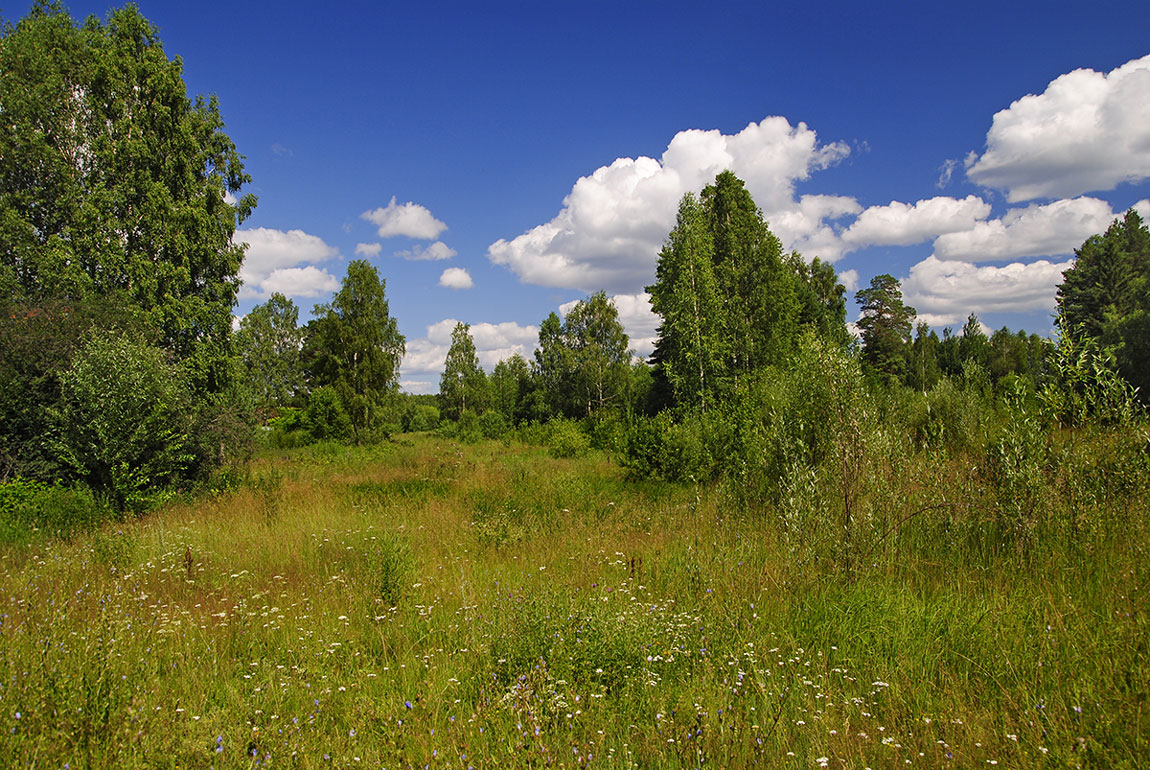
(422, 417)
(123, 420)
(493, 425)
(567, 440)
(325, 417)
(467, 429)
(30, 506)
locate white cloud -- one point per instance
(613, 222)
(272, 252)
(308, 281)
(901, 224)
(947, 292)
(850, 280)
(456, 278)
(1087, 131)
(409, 219)
(368, 249)
(1143, 209)
(808, 227)
(494, 342)
(1046, 230)
(436, 251)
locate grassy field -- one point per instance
(432, 604)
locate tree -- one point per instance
(761, 326)
(510, 386)
(553, 370)
(463, 385)
(1106, 296)
(114, 184)
(598, 347)
(821, 299)
(885, 324)
(690, 350)
(354, 345)
(922, 371)
(268, 343)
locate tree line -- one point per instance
(119, 200)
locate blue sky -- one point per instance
(539, 149)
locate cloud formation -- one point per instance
(456, 278)
(368, 249)
(613, 222)
(273, 262)
(436, 251)
(407, 219)
(946, 292)
(1087, 131)
(1053, 229)
(901, 224)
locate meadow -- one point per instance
(427, 603)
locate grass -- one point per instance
(430, 604)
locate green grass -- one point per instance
(428, 603)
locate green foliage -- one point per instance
(354, 346)
(567, 439)
(390, 563)
(463, 385)
(884, 323)
(582, 362)
(468, 428)
(1086, 387)
(493, 425)
(325, 417)
(1105, 295)
(27, 507)
(949, 416)
(421, 417)
(268, 343)
(113, 182)
(123, 420)
(1015, 467)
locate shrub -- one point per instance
(123, 420)
(420, 418)
(493, 425)
(325, 417)
(30, 506)
(467, 429)
(567, 439)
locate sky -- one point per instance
(500, 161)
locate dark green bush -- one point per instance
(493, 425)
(27, 507)
(123, 420)
(325, 417)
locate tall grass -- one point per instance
(434, 604)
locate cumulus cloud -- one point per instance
(901, 224)
(849, 279)
(456, 278)
(368, 249)
(273, 259)
(946, 292)
(1088, 131)
(408, 219)
(809, 226)
(1046, 230)
(613, 222)
(494, 342)
(436, 251)
(308, 281)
